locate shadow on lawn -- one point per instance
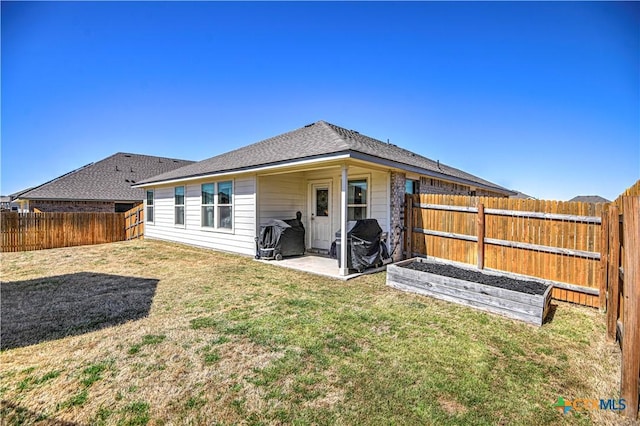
(16, 415)
(552, 313)
(50, 308)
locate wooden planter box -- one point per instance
(514, 304)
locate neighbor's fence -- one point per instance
(134, 222)
(37, 231)
(621, 224)
(556, 241)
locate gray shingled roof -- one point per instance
(106, 180)
(590, 199)
(523, 196)
(316, 140)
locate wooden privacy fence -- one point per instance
(621, 224)
(37, 231)
(556, 241)
(134, 222)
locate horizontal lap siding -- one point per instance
(380, 199)
(281, 196)
(241, 240)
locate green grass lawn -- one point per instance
(156, 333)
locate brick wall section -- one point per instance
(397, 214)
(72, 206)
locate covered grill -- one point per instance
(365, 246)
(281, 238)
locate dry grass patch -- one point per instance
(155, 333)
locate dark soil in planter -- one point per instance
(523, 286)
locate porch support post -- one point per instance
(344, 270)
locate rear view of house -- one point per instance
(103, 186)
(330, 174)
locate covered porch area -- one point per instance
(328, 195)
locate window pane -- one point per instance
(224, 192)
(355, 213)
(179, 195)
(207, 216)
(322, 202)
(207, 194)
(224, 214)
(149, 214)
(179, 215)
(149, 198)
(412, 186)
(357, 192)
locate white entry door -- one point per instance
(320, 219)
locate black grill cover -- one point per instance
(281, 237)
(365, 249)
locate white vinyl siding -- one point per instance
(278, 196)
(281, 196)
(379, 198)
(239, 240)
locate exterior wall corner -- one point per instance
(397, 192)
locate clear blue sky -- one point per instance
(539, 97)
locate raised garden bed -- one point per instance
(518, 297)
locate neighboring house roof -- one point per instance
(523, 196)
(18, 193)
(109, 179)
(318, 140)
(5, 199)
(590, 199)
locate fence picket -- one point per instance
(36, 231)
(544, 239)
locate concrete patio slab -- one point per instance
(319, 265)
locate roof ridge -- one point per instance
(316, 140)
(59, 177)
(140, 166)
(146, 155)
(443, 168)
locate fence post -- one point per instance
(480, 229)
(631, 314)
(604, 260)
(613, 294)
(137, 223)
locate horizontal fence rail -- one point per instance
(556, 241)
(505, 243)
(515, 213)
(38, 231)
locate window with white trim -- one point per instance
(150, 197)
(217, 205)
(179, 205)
(357, 199)
(208, 191)
(225, 206)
